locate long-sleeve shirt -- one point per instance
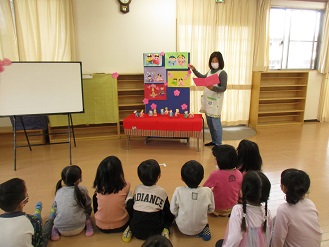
(151, 211)
(254, 236)
(191, 207)
(297, 225)
(70, 215)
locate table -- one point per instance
(164, 126)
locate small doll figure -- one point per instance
(141, 114)
(177, 113)
(171, 113)
(166, 111)
(136, 113)
(155, 112)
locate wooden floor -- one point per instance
(304, 148)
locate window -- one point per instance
(294, 38)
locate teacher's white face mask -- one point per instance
(215, 65)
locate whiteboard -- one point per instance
(29, 88)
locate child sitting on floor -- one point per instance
(226, 181)
(150, 207)
(73, 205)
(192, 203)
(17, 227)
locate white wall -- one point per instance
(109, 41)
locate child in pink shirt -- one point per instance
(226, 181)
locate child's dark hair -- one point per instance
(12, 193)
(219, 57)
(157, 241)
(255, 189)
(71, 176)
(148, 172)
(297, 184)
(192, 173)
(109, 176)
(226, 156)
(249, 156)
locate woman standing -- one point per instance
(212, 99)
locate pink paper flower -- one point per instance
(153, 106)
(115, 75)
(162, 53)
(145, 101)
(184, 106)
(6, 62)
(176, 92)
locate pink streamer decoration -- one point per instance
(115, 75)
(176, 92)
(145, 101)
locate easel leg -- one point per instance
(14, 118)
(26, 136)
(71, 122)
(69, 136)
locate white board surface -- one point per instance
(29, 88)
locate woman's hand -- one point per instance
(191, 66)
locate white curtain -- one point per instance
(324, 69)
(204, 26)
(43, 29)
(8, 41)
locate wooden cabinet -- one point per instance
(130, 95)
(278, 98)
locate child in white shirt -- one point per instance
(191, 204)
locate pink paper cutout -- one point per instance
(189, 72)
(6, 62)
(184, 106)
(145, 101)
(166, 83)
(115, 75)
(176, 92)
(153, 106)
(162, 53)
(170, 75)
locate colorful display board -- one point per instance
(167, 81)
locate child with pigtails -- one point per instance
(73, 205)
(250, 223)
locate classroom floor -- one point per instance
(303, 147)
